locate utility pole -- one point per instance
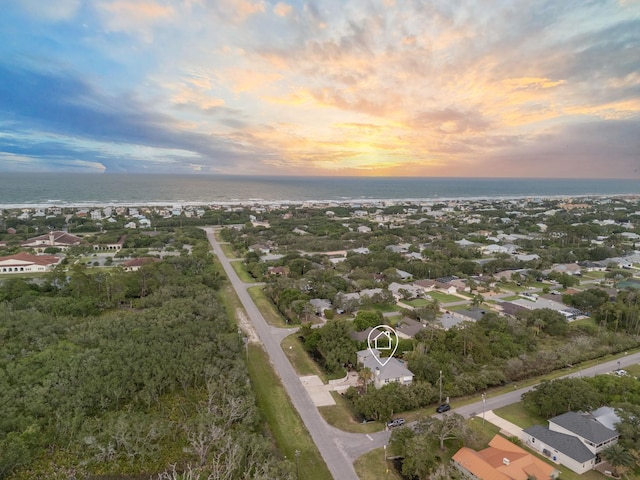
(440, 381)
(484, 400)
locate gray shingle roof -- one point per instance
(584, 426)
(393, 368)
(569, 445)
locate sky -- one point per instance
(419, 88)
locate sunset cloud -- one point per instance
(340, 87)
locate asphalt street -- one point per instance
(338, 449)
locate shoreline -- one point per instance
(424, 201)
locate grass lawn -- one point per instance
(484, 431)
(417, 302)
(268, 310)
(299, 358)
(339, 415)
(238, 266)
(511, 298)
(444, 297)
(284, 422)
(385, 308)
(584, 322)
(228, 251)
(516, 413)
(373, 466)
(594, 275)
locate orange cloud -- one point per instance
(133, 17)
(282, 9)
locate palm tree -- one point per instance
(365, 375)
(618, 457)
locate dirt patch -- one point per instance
(246, 326)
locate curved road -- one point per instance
(514, 397)
(338, 449)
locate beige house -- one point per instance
(57, 239)
(27, 263)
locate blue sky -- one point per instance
(333, 87)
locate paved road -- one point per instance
(514, 397)
(338, 449)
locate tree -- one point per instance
(477, 300)
(618, 457)
(365, 375)
(450, 427)
(550, 398)
(366, 319)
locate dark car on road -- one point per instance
(445, 407)
(396, 422)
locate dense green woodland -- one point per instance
(127, 374)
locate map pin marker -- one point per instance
(382, 338)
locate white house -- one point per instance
(57, 239)
(572, 439)
(393, 371)
(27, 263)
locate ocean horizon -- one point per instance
(22, 190)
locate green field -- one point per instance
(299, 358)
(238, 267)
(339, 415)
(445, 297)
(417, 302)
(228, 251)
(285, 424)
(268, 310)
(374, 466)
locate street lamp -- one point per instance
(484, 400)
(440, 378)
(385, 452)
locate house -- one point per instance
(279, 271)
(115, 247)
(501, 460)
(426, 285)
(320, 305)
(27, 263)
(393, 370)
(408, 328)
(364, 229)
(404, 275)
(402, 291)
(135, 264)
(568, 268)
(57, 239)
(572, 439)
(362, 336)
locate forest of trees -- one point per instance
(127, 374)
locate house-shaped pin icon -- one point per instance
(383, 341)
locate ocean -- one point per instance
(18, 190)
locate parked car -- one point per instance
(396, 422)
(445, 407)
